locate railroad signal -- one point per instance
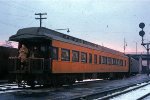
(141, 33)
(142, 25)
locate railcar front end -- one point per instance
(34, 65)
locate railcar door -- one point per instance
(39, 56)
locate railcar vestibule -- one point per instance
(38, 48)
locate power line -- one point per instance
(40, 14)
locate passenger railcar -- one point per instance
(57, 58)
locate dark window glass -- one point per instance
(43, 49)
(55, 53)
(118, 62)
(65, 55)
(121, 62)
(109, 60)
(95, 59)
(114, 61)
(90, 58)
(104, 60)
(99, 59)
(75, 56)
(83, 57)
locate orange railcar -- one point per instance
(59, 66)
(54, 57)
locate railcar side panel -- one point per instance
(59, 66)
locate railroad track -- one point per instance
(7, 87)
(114, 92)
(134, 88)
(144, 96)
(78, 91)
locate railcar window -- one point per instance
(43, 49)
(104, 60)
(109, 61)
(55, 53)
(95, 59)
(90, 58)
(99, 59)
(75, 56)
(114, 61)
(117, 63)
(121, 63)
(65, 55)
(83, 57)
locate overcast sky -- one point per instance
(105, 22)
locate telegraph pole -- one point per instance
(40, 14)
(125, 44)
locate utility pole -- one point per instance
(136, 47)
(40, 14)
(125, 44)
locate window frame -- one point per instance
(100, 61)
(85, 57)
(95, 59)
(90, 58)
(73, 60)
(65, 59)
(109, 60)
(55, 58)
(104, 60)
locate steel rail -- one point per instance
(144, 96)
(122, 92)
(106, 93)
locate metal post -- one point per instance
(136, 47)
(148, 57)
(125, 44)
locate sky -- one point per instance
(104, 22)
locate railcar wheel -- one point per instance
(31, 83)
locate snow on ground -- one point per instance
(134, 95)
(88, 80)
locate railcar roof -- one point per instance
(39, 33)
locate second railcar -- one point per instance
(5, 53)
(134, 66)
